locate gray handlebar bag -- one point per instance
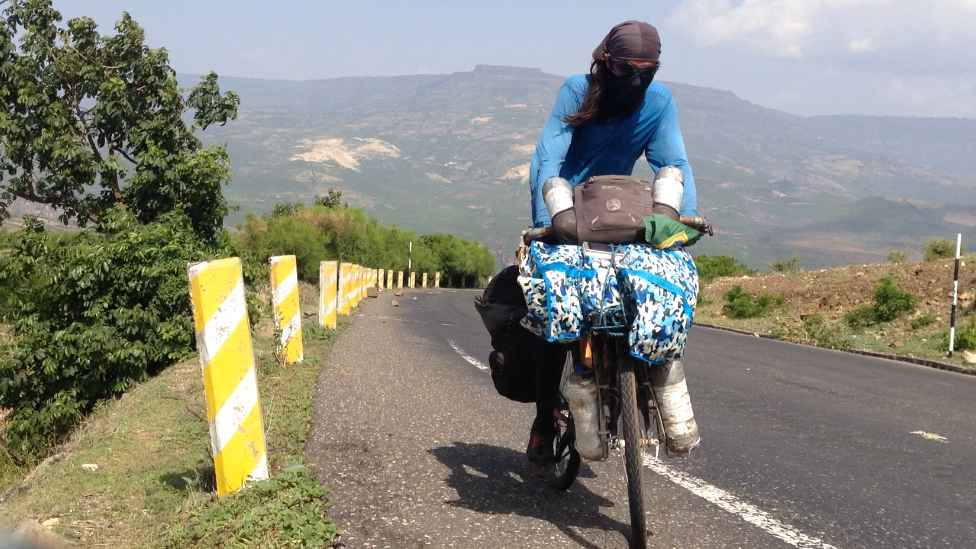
(610, 209)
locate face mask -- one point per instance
(627, 90)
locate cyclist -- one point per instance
(600, 124)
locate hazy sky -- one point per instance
(900, 57)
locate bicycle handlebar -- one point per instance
(700, 224)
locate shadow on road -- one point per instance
(492, 480)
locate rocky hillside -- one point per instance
(450, 153)
(820, 307)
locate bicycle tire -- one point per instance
(630, 427)
(566, 456)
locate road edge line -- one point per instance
(898, 358)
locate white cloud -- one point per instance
(861, 45)
(936, 34)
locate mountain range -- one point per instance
(450, 153)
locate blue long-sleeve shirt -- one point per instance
(576, 153)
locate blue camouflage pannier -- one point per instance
(660, 290)
(549, 279)
(649, 293)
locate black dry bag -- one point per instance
(501, 307)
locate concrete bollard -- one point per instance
(399, 280)
(328, 294)
(345, 288)
(437, 280)
(413, 277)
(389, 279)
(286, 307)
(381, 279)
(227, 360)
(423, 280)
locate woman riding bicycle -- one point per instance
(600, 124)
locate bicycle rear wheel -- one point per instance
(630, 428)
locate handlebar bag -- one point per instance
(610, 209)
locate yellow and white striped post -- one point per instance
(345, 288)
(352, 286)
(413, 277)
(360, 278)
(399, 280)
(437, 279)
(374, 279)
(227, 360)
(328, 294)
(286, 308)
(389, 279)
(423, 280)
(357, 284)
(381, 279)
(361, 285)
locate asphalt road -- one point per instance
(802, 447)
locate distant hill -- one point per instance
(450, 153)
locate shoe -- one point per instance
(539, 458)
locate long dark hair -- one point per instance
(596, 107)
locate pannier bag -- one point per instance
(502, 307)
(650, 294)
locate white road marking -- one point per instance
(930, 436)
(728, 502)
(713, 494)
(474, 361)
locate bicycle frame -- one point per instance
(601, 353)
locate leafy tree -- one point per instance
(93, 122)
(101, 311)
(330, 230)
(331, 200)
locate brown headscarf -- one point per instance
(630, 41)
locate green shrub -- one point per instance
(940, 248)
(965, 337)
(790, 265)
(823, 334)
(740, 303)
(890, 301)
(861, 317)
(104, 310)
(712, 267)
(922, 321)
(898, 256)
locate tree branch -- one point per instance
(29, 193)
(114, 181)
(127, 157)
(76, 103)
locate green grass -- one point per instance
(153, 485)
